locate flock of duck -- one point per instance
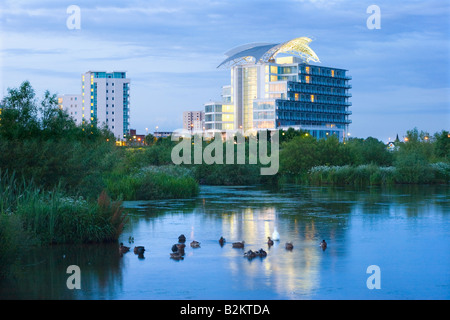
(178, 248)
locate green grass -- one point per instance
(153, 182)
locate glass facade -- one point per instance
(283, 92)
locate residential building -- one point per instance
(193, 120)
(105, 100)
(72, 103)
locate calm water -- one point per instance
(405, 231)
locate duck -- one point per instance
(238, 244)
(139, 250)
(289, 246)
(323, 245)
(181, 247)
(195, 244)
(261, 253)
(176, 256)
(275, 235)
(250, 254)
(222, 241)
(178, 247)
(182, 238)
(269, 241)
(123, 249)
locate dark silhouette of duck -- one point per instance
(252, 254)
(289, 246)
(123, 249)
(323, 245)
(139, 250)
(238, 244)
(195, 244)
(269, 242)
(261, 253)
(176, 256)
(182, 239)
(178, 247)
(222, 241)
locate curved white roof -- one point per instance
(263, 52)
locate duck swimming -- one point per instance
(176, 256)
(195, 244)
(238, 244)
(222, 241)
(123, 249)
(323, 245)
(289, 246)
(182, 238)
(269, 241)
(139, 250)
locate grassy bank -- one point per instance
(31, 216)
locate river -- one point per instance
(404, 231)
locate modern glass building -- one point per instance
(274, 86)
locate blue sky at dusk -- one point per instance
(171, 50)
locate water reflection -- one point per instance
(356, 224)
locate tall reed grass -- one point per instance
(153, 182)
(375, 175)
(30, 216)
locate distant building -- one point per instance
(193, 120)
(73, 104)
(105, 100)
(274, 86)
(162, 134)
(133, 138)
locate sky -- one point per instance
(171, 50)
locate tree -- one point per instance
(19, 113)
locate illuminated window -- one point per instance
(332, 73)
(296, 97)
(312, 98)
(307, 79)
(307, 69)
(273, 69)
(273, 78)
